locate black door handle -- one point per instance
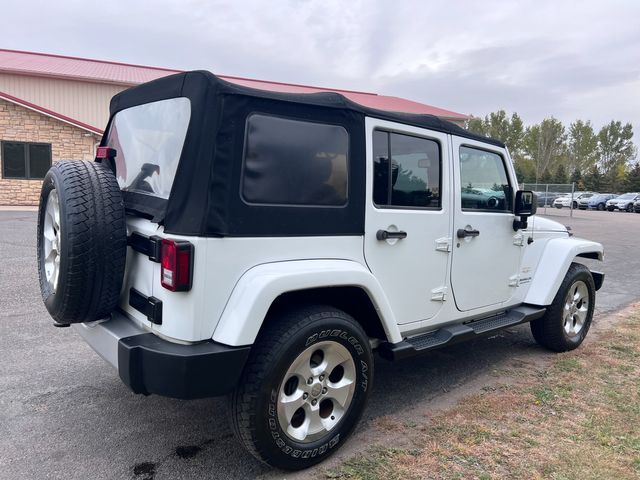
(464, 233)
(385, 235)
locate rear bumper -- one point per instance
(148, 364)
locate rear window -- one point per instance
(293, 162)
(149, 139)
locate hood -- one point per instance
(541, 224)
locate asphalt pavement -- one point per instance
(64, 412)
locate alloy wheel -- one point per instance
(51, 244)
(576, 308)
(316, 391)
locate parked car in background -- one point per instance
(546, 199)
(596, 202)
(623, 202)
(565, 200)
(636, 206)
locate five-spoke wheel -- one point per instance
(304, 387)
(51, 233)
(316, 391)
(576, 308)
(567, 320)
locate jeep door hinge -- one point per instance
(439, 294)
(443, 244)
(518, 240)
(513, 280)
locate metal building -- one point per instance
(54, 107)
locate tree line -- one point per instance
(549, 152)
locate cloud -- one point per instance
(540, 58)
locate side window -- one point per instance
(406, 171)
(292, 162)
(484, 181)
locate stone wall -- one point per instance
(23, 125)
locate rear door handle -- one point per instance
(386, 235)
(467, 232)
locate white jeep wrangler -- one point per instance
(232, 240)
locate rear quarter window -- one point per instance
(148, 139)
(294, 162)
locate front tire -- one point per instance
(567, 320)
(303, 388)
(630, 208)
(601, 206)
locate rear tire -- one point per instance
(82, 241)
(601, 206)
(568, 319)
(287, 409)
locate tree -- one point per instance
(593, 179)
(616, 178)
(545, 177)
(633, 178)
(560, 175)
(476, 125)
(525, 170)
(615, 147)
(498, 125)
(576, 176)
(545, 143)
(582, 151)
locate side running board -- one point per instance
(458, 333)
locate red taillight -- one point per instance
(176, 265)
(105, 152)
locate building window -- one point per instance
(25, 160)
(294, 162)
(406, 171)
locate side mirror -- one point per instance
(526, 205)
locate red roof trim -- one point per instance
(54, 55)
(19, 62)
(50, 113)
(285, 84)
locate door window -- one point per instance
(484, 181)
(406, 171)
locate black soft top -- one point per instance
(205, 197)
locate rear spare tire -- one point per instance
(82, 241)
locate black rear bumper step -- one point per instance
(148, 364)
(458, 333)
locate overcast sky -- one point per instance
(569, 59)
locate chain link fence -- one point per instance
(548, 193)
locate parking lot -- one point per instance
(64, 413)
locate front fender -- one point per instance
(261, 285)
(556, 259)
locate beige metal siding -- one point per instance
(83, 101)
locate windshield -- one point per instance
(148, 140)
(627, 196)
